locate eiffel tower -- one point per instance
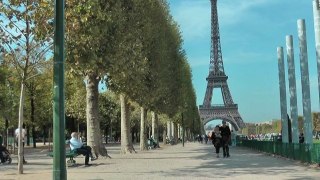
(218, 79)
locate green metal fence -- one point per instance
(302, 152)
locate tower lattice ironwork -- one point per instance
(218, 79)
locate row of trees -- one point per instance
(134, 46)
(275, 126)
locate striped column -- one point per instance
(169, 129)
(316, 15)
(292, 89)
(283, 99)
(305, 83)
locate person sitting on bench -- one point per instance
(77, 146)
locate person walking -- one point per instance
(216, 139)
(301, 138)
(233, 138)
(23, 135)
(226, 135)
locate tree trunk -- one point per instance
(44, 134)
(28, 135)
(32, 116)
(188, 134)
(132, 136)
(138, 136)
(175, 131)
(92, 111)
(153, 125)
(126, 143)
(111, 137)
(33, 132)
(143, 138)
(155, 132)
(106, 134)
(169, 130)
(20, 145)
(157, 135)
(164, 136)
(5, 139)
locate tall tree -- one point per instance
(157, 82)
(89, 34)
(21, 42)
(127, 64)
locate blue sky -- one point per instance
(250, 31)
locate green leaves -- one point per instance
(147, 62)
(89, 34)
(75, 97)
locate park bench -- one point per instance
(71, 154)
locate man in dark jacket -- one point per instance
(226, 135)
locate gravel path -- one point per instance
(194, 161)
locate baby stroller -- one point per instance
(5, 155)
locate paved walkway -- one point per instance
(194, 161)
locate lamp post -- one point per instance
(59, 163)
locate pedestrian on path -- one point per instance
(23, 135)
(226, 135)
(216, 139)
(301, 138)
(233, 138)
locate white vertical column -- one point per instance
(292, 89)
(153, 124)
(179, 131)
(316, 15)
(169, 129)
(172, 129)
(305, 82)
(283, 98)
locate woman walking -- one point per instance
(216, 139)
